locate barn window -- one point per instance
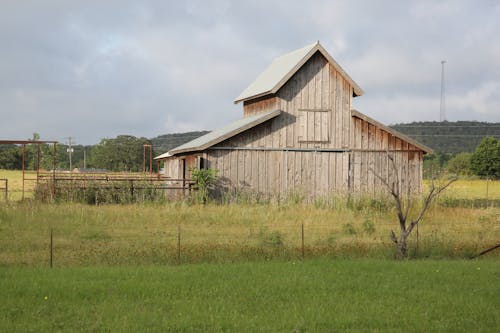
(314, 125)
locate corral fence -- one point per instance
(185, 243)
(110, 187)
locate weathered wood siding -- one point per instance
(258, 105)
(316, 104)
(317, 92)
(281, 172)
(370, 146)
(175, 164)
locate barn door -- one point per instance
(183, 166)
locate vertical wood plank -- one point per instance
(255, 170)
(298, 172)
(338, 169)
(331, 173)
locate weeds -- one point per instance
(99, 227)
(368, 226)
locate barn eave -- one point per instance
(210, 139)
(362, 116)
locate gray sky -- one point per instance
(92, 69)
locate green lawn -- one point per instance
(318, 295)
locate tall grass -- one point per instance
(148, 233)
(115, 227)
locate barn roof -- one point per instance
(221, 134)
(397, 134)
(284, 67)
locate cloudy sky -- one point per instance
(92, 69)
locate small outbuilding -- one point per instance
(299, 133)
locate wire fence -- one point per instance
(185, 243)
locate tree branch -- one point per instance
(432, 194)
(394, 238)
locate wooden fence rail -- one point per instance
(114, 181)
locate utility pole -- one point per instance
(70, 151)
(442, 108)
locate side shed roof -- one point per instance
(284, 67)
(221, 134)
(397, 134)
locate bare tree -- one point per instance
(403, 203)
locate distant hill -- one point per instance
(164, 143)
(449, 137)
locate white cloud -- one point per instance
(484, 100)
(93, 69)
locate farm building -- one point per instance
(299, 133)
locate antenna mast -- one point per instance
(442, 108)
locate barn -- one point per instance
(299, 133)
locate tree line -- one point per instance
(123, 153)
(483, 162)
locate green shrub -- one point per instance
(205, 181)
(460, 164)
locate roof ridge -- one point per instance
(310, 46)
(282, 68)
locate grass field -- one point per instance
(314, 296)
(117, 267)
(148, 234)
(15, 183)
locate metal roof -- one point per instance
(356, 113)
(221, 134)
(283, 68)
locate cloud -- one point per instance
(97, 69)
(483, 100)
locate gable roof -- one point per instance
(221, 134)
(395, 133)
(284, 67)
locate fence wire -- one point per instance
(187, 243)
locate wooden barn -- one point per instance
(299, 133)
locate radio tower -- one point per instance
(442, 108)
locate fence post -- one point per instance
(416, 249)
(179, 244)
(303, 249)
(487, 179)
(51, 247)
(6, 190)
